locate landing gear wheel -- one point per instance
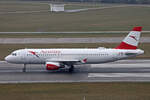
(71, 69)
(24, 68)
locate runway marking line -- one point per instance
(116, 65)
(90, 75)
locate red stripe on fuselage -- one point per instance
(124, 45)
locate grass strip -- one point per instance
(67, 35)
(76, 91)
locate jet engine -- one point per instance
(54, 65)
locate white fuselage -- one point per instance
(92, 56)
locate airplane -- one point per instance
(55, 59)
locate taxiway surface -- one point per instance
(120, 71)
(67, 40)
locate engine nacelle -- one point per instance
(52, 65)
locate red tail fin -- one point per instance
(132, 39)
(124, 45)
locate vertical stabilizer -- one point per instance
(131, 40)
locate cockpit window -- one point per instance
(14, 54)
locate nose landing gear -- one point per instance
(24, 68)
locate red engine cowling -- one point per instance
(52, 65)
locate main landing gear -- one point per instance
(71, 69)
(24, 68)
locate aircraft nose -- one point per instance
(8, 58)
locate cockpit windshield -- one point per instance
(14, 54)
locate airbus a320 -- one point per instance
(55, 59)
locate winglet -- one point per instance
(131, 40)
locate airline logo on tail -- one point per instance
(132, 39)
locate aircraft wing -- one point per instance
(62, 60)
(67, 60)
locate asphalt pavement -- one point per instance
(120, 71)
